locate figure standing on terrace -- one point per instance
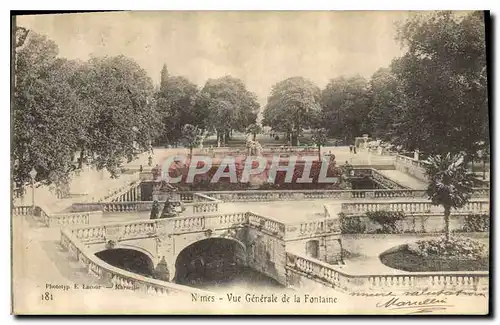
(155, 211)
(156, 171)
(168, 210)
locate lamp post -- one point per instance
(33, 176)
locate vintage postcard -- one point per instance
(239, 162)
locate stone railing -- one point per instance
(72, 218)
(25, 210)
(266, 225)
(200, 197)
(418, 223)
(411, 207)
(313, 228)
(202, 207)
(147, 228)
(209, 222)
(59, 219)
(122, 185)
(482, 192)
(415, 168)
(385, 181)
(132, 192)
(293, 195)
(331, 276)
(138, 206)
(130, 230)
(113, 276)
(186, 197)
(388, 183)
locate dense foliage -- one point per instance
(433, 98)
(450, 183)
(442, 248)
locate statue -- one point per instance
(172, 209)
(254, 148)
(155, 211)
(347, 171)
(161, 271)
(156, 171)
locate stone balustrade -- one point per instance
(24, 210)
(126, 183)
(195, 207)
(59, 219)
(188, 224)
(481, 192)
(415, 168)
(331, 276)
(312, 228)
(113, 276)
(385, 181)
(72, 218)
(187, 197)
(129, 193)
(200, 197)
(202, 207)
(266, 224)
(293, 195)
(412, 207)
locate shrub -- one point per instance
(455, 249)
(387, 220)
(476, 223)
(351, 225)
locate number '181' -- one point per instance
(47, 296)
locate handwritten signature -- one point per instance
(427, 305)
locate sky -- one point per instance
(261, 48)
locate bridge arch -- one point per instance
(211, 259)
(130, 258)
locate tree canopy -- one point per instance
(443, 77)
(230, 106)
(345, 104)
(291, 105)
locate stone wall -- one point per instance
(266, 254)
(329, 248)
(424, 223)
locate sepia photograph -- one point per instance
(250, 162)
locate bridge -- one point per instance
(298, 242)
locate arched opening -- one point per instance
(128, 259)
(209, 261)
(312, 248)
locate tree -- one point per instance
(346, 104)
(46, 114)
(191, 137)
(319, 138)
(450, 184)
(443, 77)
(254, 129)
(164, 76)
(123, 119)
(228, 98)
(290, 106)
(176, 105)
(386, 97)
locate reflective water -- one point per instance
(243, 279)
